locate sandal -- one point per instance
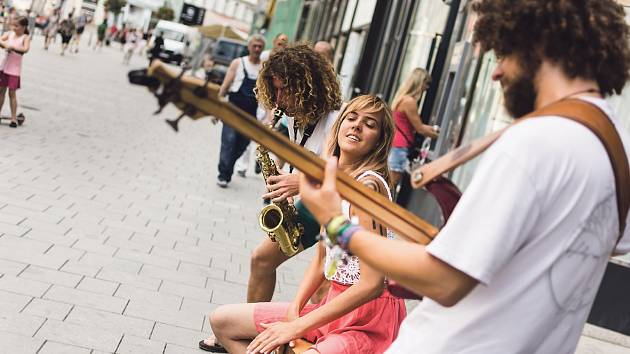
(214, 348)
(13, 124)
(20, 119)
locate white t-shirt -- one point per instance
(252, 72)
(264, 56)
(536, 228)
(318, 140)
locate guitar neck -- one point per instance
(404, 223)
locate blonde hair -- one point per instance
(414, 86)
(376, 159)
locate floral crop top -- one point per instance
(348, 271)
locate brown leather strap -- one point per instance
(577, 110)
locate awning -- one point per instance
(216, 31)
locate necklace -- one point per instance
(590, 90)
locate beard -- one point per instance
(520, 95)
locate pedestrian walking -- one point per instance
(238, 85)
(131, 41)
(66, 29)
(81, 22)
(9, 17)
(16, 43)
(408, 122)
(101, 31)
(32, 18)
(50, 32)
(90, 30)
(279, 42)
(157, 48)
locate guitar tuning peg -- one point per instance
(175, 122)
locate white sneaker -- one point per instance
(221, 183)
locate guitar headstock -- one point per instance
(170, 86)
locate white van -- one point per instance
(179, 41)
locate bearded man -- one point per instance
(517, 266)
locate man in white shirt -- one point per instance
(517, 266)
(238, 86)
(280, 41)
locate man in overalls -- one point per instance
(238, 85)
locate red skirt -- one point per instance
(370, 328)
(10, 81)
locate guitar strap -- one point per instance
(576, 110)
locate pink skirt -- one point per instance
(10, 81)
(370, 328)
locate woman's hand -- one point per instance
(282, 186)
(293, 312)
(275, 335)
(322, 200)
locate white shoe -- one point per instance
(221, 183)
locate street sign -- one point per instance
(192, 15)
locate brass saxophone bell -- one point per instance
(271, 220)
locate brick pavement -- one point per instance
(113, 234)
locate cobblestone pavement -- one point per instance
(113, 234)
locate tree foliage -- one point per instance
(115, 6)
(165, 13)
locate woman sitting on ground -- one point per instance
(358, 315)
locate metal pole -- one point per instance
(440, 60)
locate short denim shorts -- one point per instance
(397, 160)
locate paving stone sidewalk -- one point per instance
(114, 237)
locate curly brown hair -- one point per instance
(309, 78)
(587, 38)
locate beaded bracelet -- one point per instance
(344, 238)
(335, 226)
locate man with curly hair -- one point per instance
(517, 266)
(301, 83)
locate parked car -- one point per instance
(224, 50)
(179, 40)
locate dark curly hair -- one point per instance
(309, 78)
(587, 38)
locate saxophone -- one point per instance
(278, 220)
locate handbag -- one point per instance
(415, 147)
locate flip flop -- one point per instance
(21, 118)
(214, 348)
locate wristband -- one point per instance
(344, 238)
(335, 226)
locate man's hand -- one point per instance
(282, 186)
(322, 200)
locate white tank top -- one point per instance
(348, 271)
(252, 72)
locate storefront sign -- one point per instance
(192, 15)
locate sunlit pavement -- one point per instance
(114, 235)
